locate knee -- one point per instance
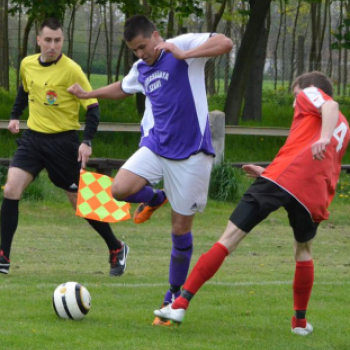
(12, 192)
(118, 192)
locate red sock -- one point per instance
(298, 322)
(206, 267)
(303, 282)
(180, 303)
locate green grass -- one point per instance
(247, 305)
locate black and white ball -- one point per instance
(71, 300)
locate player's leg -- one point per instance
(304, 232)
(132, 184)
(118, 250)
(63, 168)
(17, 182)
(24, 167)
(186, 184)
(248, 213)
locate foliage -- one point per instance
(225, 183)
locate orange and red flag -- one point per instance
(95, 200)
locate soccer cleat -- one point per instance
(168, 313)
(4, 263)
(308, 329)
(159, 322)
(144, 211)
(117, 259)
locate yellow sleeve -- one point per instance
(21, 72)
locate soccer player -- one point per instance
(302, 178)
(176, 142)
(51, 141)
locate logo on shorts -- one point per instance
(194, 207)
(51, 98)
(73, 186)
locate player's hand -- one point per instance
(77, 91)
(170, 47)
(14, 126)
(253, 170)
(319, 148)
(84, 154)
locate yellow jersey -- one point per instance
(52, 108)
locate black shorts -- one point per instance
(264, 197)
(57, 153)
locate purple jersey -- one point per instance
(175, 124)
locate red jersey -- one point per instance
(311, 182)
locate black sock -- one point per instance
(300, 314)
(105, 231)
(174, 289)
(9, 222)
(186, 295)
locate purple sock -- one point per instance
(146, 194)
(158, 199)
(181, 254)
(170, 297)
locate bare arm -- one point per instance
(330, 116)
(112, 92)
(215, 46)
(253, 170)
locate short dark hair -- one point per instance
(51, 22)
(315, 78)
(138, 25)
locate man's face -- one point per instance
(296, 92)
(50, 42)
(144, 47)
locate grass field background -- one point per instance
(247, 305)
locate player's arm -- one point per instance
(21, 103)
(253, 170)
(330, 116)
(92, 120)
(112, 91)
(216, 45)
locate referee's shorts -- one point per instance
(57, 153)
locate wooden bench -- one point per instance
(101, 165)
(106, 165)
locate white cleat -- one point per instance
(303, 331)
(168, 313)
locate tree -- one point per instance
(245, 59)
(4, 48)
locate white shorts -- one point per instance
(186, 182)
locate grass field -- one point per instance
(247, 305)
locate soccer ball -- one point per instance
(71, 300)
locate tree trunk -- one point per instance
(301, 55)
(170, 27)
(253, 94)
(109, 64)
(245, 60)
(111, 36)
(292, 58)
(321, 36)
(275, 52)
(4, 46)
(19, 47)
(91, 25)
(329, 70)
(119, 61)
(27, 29)
(71, 31)
(210, 65)
(228, 33)
(340, 50)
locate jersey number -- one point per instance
(339, 134)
